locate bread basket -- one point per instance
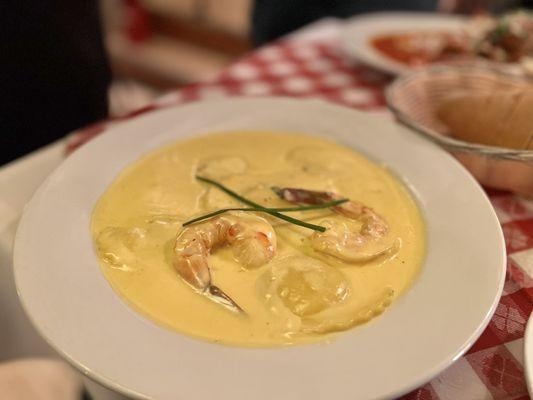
(413, 99)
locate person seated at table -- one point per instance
(54, 72)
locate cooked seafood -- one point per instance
(339, 240)
(271, 273)
(252, 238)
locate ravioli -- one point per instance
(302, 295)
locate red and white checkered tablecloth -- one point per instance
(493, 367)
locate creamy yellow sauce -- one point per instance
(302, 295)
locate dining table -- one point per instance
(309, 63)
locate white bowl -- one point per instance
(72, 305)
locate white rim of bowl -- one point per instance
(114, 386)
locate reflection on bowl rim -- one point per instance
(448, 142)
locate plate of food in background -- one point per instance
(260, 248)
(400, 42)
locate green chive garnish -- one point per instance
(257, 207)
(285, 209)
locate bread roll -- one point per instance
(502, 118)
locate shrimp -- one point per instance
(339, 240)
(252, 238)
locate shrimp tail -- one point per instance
(278, 191)
(222, 298)
(303, 196)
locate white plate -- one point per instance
(358, 32)
(528, 355)
(72, 305)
